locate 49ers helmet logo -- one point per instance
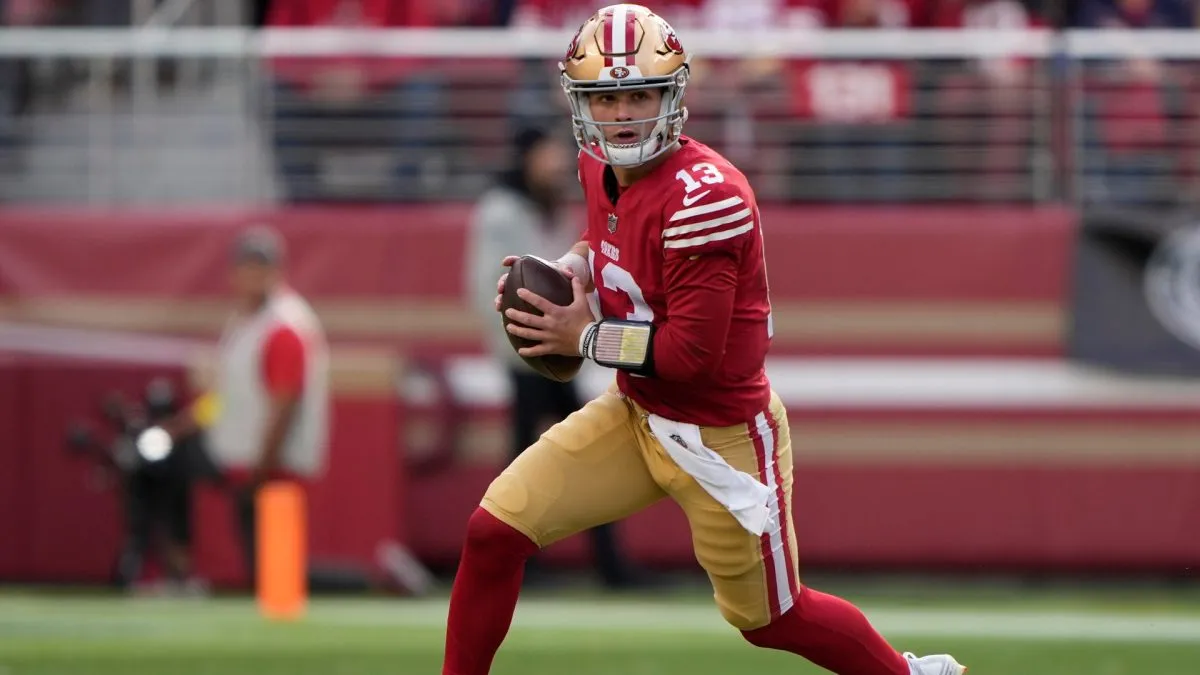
(574, 46)
(670, 40)
(619, 73)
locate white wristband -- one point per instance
(587, 338)
(578, 266)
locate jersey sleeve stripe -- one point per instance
(715, 236)
(706, 224)
(705, 208)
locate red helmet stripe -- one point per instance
(618, 30)
(630, 37)
(608, 39)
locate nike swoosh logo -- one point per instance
(688, 201)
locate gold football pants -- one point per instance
(603, 463)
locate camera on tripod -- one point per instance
(156, 475)
(136, 443)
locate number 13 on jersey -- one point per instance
(617, 278)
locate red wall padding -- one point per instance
(12, 467)
(58, 523)
(947, 259)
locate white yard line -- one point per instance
(649, 617)
(593, 616)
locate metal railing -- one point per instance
(183, 115)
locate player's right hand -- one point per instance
(508, 262)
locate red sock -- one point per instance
(485, 592)
(833, 634)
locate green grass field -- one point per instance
(1009, 633)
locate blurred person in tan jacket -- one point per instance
(523, 213)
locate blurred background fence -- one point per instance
(170, 116)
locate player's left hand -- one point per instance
(558, 329)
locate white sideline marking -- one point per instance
(193, 619)
(1080, 626)
(477, 381)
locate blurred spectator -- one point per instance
(28, 12)
(272, 381)
(859, 128)
(537, 100)
(1134, 14)
(725, 109)
(355, 126)
(572, 13)
(1131, 106)
(551, 13)
(14, 78)
(267, 414)
(109, 13)
(260, 10)
(473, 13)
(987, 102)
(523, 213)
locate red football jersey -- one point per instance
(682, 247)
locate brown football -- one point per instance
(544, 279)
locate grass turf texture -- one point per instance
(1028, 633)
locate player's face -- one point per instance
(251, 282)
(860, 12)
(625, 106)
(547, 164)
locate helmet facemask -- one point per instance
(666, 129)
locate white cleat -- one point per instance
(935, 664)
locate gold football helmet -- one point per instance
(625, 47)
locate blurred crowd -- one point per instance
(682, 13)
(850, 129)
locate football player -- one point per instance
(673, 249)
